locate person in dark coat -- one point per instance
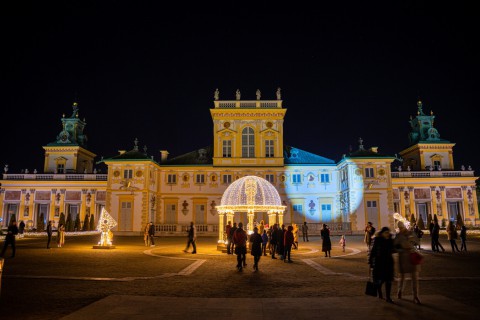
(151, 234)
(381, 261)
(228, 228)
(463, 237)
(273, 241)
(452, 236)
(264, 242)
(288, 241)
(49, 233)
(280, 246)
(326, 242)
(435, 237)
(12, 231)
(21, 227)
(231, 245)
(240, 241)
(192, 238)
(256, 245)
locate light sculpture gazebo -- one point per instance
(249, 194)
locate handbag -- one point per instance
(371, 288)
(416, 258)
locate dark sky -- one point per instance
(346, 70)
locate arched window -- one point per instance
(248, 143)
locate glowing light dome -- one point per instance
(251, 193)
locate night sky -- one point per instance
(346, 70)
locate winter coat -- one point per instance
(463, 233)
(451, 232)
(381, 259)
(192, 233)
(256, 241)
(295, 233)
(288, 239)
(326, 242)
(240, 238)
(151, 230)
(404, 243)
(228, 228)
(436, 231)
(264, 238)
(280, 240)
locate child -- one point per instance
(342, 242)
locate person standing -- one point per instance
(280, 241)
(326, 242)
(305, 231)
(61, 235)
(240, 241)
(12, 231)
(404, 244)
(343, 242)
(261, 227)
(146, 237)
(21, 227)
(264, 242)
(192, 238)
(49, 233)
(228, 228)
(256, 245)
(381, 261)
(273, 241)
(463, 237)
(435, 237)
(295, 236)
(369, 233)
(419, 234)
(288, 241)
(432, 239)
(231, 245)
(452, 236)
(151, 234)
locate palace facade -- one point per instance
(247, 140)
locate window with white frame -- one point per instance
(297, 178)
(270, 178)
(172, 179)
(248, 143)
(269, 151)
(325, 178)
(200, 178)
(227, 148)
(369, 173)
(227, 178)
(61, 168)
(128, 174)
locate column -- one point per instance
(402, 202)
(444, 213)
(412, 201)
(51, 215)
(280, 218)
(271, 218)
(21, 211)
(250, 214)
(93, 206)
(83, 207)
(475, 206)
(230, 216)
(465, 204)
(221, 227)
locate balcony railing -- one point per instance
(432, 174)
(249, 104)
(56, 176)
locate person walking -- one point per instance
(273, 241)
(264, 242)
(49, 233)
(12, 231)
(256, 242)
(231, 245)
(432, 238)
(404, 244)
(305, 231)
(463, 237)
(369, 233)
(326, 242)
(295, 236)
(21, 227)
(288, 241)
(381, 261)
(61, 235)
(342, 242)
(280, 241)
(452, 236)
(151, 234)
(419, 234)
(192, 238)
(240, 241)
(146, 237)
(228, 228)
(435, 237)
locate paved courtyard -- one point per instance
(134, 281)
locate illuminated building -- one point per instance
(247, 141)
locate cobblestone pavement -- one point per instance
(50, 284)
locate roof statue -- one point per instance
(135, 147)
(237, 94)
(420, 108)
(279, 94)
(360, 141)
(75, 110)
(259, 94)
(216, 94)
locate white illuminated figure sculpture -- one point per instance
(105, 224)
(399, 217)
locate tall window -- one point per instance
(61, 168)
(436, 164)
(227, 178)
(269, 149)
(296, 178)
(172, 179)
(128, 174)
(270, 178)
(227, 148)
(248, 143)
(200, 179)
(325, 178)
(369, 173)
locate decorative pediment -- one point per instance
(269, 131)
(226, 132)
(61, 159)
